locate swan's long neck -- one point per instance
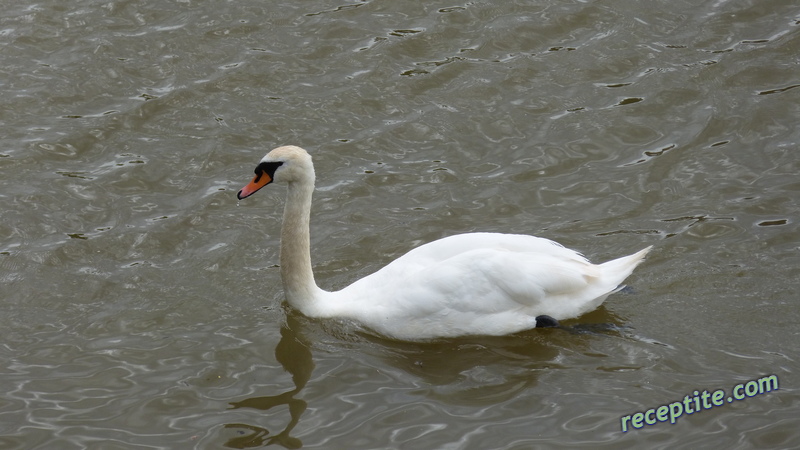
(298, 278)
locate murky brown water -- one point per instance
(141, 307)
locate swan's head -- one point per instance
(284, 165)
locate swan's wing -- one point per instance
(480, 284)
(522, 243)
(487, 280)
(446, 276)
(439, 251)
(477, 292)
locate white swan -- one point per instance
(468, 284)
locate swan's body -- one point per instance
(468, 284)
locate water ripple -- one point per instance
(141, 306)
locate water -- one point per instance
(141, 308)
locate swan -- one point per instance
(467, 284)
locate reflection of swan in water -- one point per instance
(476, 371)
(487, 370)
(295, 357)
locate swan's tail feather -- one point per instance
(620, 268)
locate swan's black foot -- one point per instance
(545, 321)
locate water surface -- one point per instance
(141, 304)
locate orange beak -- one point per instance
(260, 180)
